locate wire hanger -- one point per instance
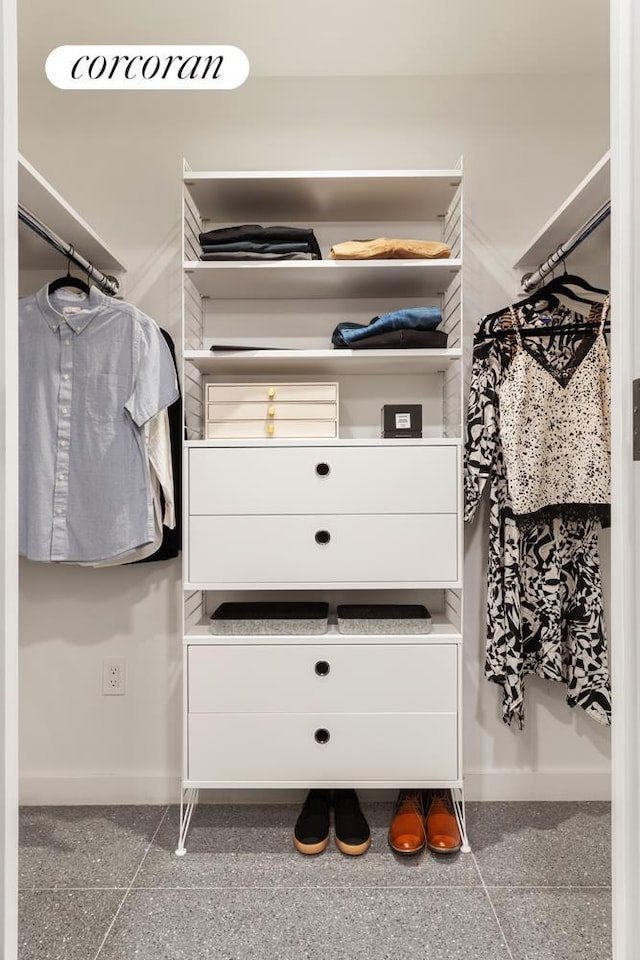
(70, 281)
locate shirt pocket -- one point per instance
(103, 396)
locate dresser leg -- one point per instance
(188, 800)
(457, 795)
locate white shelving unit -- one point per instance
(393, 507)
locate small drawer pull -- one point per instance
(271, 392)
(323, 536)
(271, 411)
(270, 429)
(322, 735)
(323, 469)
(322, 668)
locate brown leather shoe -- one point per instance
(407, 833)
(443, 834)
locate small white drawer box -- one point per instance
(261, 429)
(263, 410)
(269, 392)
(314, 410)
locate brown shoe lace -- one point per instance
(440, 796)
(409, 800)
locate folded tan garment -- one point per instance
(385, 249)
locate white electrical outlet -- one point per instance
(113, 677)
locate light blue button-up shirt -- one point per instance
(93, 370)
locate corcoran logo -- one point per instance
(115, 67)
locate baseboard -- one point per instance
(537, 785)
(73, 791)
(482, 785)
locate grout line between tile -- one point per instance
(65, 889)
(325, 886)
(493, 909)
(133, 879)
(330, 886)
(547, 886)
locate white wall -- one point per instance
(526, 141)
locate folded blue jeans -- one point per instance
(409, 318)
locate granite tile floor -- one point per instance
(103, 883)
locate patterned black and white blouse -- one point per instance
(544, 597)
(555, 422)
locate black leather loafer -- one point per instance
(311, 832)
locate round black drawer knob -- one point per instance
(323, 536)
(322, 668)
(323, 469)
(322, 735)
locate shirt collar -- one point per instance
(75, 321)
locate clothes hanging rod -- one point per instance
(107, 283)
(531, 280)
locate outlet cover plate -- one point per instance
(113, 669)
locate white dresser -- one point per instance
(339, 516)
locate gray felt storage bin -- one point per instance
(270, 618)
(383, 618)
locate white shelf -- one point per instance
(591, 194)
(323, 784)
(442, 632)
(321, 279)
(331, 585)
(333, 362)
(335, 442)
(40, 199)
(341, 195)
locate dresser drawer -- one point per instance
(377, 678)
(323, 549)
(401, 748)
(272, 411)
(261, 429)
(249, 392)
(332, 479)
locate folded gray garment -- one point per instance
(399, 340)
(248, 246)
(258, 234)
(267, 257)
